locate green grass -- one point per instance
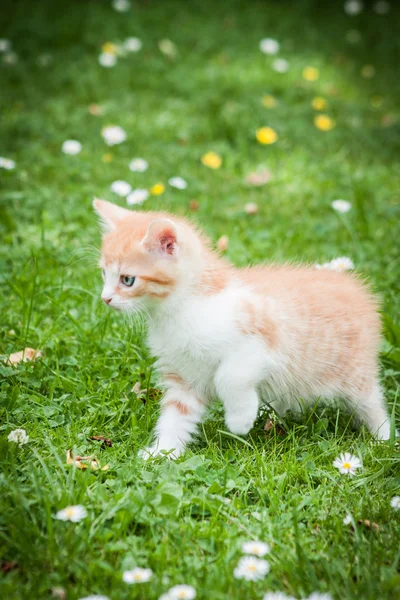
(173, 517)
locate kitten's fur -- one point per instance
(277, 333)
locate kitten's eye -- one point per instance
(127, 280)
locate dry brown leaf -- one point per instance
(194, 205)
(95, 109)
(8, 565)
(367, 523)
(100, 438)
(271, 425)
(83, 462)
(23, 355)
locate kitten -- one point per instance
(272, 333)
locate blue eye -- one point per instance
(127, 280)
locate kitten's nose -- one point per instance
(106, 300)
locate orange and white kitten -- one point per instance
(265, 333)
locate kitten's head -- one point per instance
(145, 256)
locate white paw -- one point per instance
(240, 423)
(156, 450)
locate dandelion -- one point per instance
(113, 135)
(223, 243)
(251, 208)
(269, 101)
(280, 65)
(121, 188)
(137, 575)
(347, 464)
(7, 163)
(343, 263)
(109, 48)
(107, 59)
(353, 7)
(71, 147)
(138, 165)
(257, 548)
(18, 436)
(5, 45)
(395, 502)
(121, 5)
(211, 160)
(341, 206)
(353, 36)
(182, 592)
(132, 44)
(324, 123)
(251, 568)
(310, 74)
(157, 189)
(277, 596)
(168, 48)
(348, 519)
(319, 103)
(266, 135)
(368, 71)
(269, 46)
(382, 7)
(137, 196)
(178, 183)
(73, 513)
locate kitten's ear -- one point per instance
(162, 237)
(109, 213)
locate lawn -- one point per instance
(208, 88)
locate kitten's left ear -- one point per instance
(109, 213)
(162, 237)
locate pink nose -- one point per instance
(106, 300)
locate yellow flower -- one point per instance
(109, 48)
(310, 74)
(269, 101)
(107, 157)
(319, 103)
(266, 135)
(324, 123)
(157, 189)
(212, 160)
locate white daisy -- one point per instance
(121, 188)
(113, 135)
(353, 36)
(71, 147)
(138, 165)
(73, 513)
(121, 5)
(395, 502)
(5, 45)
(280, 65)
(132, 44)
(137, 196)
(177, 182)
(182, 592)
(277, 596)
(347, 464)
(347, 520)
(251, 568)
(342, 206)
(353, 7)
(318, 596)
(7, 163)
(343, 263)
(137, 575)
(382, 7)
(256, 548)
(18, 436)
(107, 59)
(269, 46)
(95, 597)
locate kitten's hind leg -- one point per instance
(371, 410)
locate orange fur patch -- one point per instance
(180, 406)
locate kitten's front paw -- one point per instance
(154, 451)
(240, 423)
